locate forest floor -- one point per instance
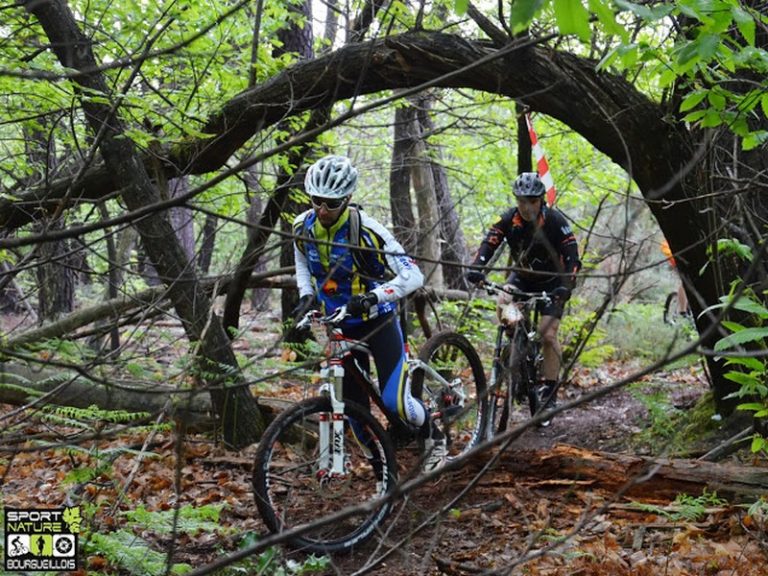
(510, 522)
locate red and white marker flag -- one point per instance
(541, 163)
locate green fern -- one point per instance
(92, 414)
(131, 554)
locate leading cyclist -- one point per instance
(330, 273)
(547, 259)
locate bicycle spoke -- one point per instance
(292, 488)
(457, 397)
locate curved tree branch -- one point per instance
(604, 108)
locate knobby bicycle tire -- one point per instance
(461, 412)
(290, 490)
(671, 308)
(517, 376)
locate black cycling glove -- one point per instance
(361, 303)
(475, 276)
(561, 294)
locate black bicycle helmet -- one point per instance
(528, 184)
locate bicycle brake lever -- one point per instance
(306, 320)
(338, 315)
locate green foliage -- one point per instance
(685, 508)
(751, 373)
(89, 417)
(98, 463)
(574, 328)
(131, 554)
(635, 330)
(731, 246)
(573, 18)
(662, 415)
(189, 520)
(138, 556)
(272, 563)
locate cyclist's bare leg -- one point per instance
(550, 347)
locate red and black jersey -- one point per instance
(542, 250)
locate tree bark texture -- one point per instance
(428, 231)
(238, 413)
(403, 220)
(454, 250)
(638, 476)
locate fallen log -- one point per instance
(638, 476)
(21, 385)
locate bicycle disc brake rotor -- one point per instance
(330, 485)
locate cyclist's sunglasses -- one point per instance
(329, 203)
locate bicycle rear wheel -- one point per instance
(291, 489)
(458, 402)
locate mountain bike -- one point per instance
(326, 454)
(673, 313)
(517, 356)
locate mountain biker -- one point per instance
(330, 274)
(682, 297)
(547, 259)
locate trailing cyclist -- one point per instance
(546, 259)
(334, 269)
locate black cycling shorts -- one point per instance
(554, 308)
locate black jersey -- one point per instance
(542, 250)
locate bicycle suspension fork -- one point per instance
(332, 460)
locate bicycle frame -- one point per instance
(331, 427)
(518, 329)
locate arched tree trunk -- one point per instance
(656, 148)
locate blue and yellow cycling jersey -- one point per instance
(327, 267)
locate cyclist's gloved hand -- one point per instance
(306, 303)
(475, 276)
(561, 294)
(360, 303)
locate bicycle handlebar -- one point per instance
(332, 319)
(493, 288)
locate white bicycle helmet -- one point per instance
(331, 177)
(528, 184)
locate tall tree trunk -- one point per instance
(403, 220)
(238, 413)
(454, 247)
(428, 250)
(259, 296)
(207, 244)
(55, 277)
(524, 148)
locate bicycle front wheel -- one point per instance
(517, 377)
(671, 308)
(293, 484)
(453, 388)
